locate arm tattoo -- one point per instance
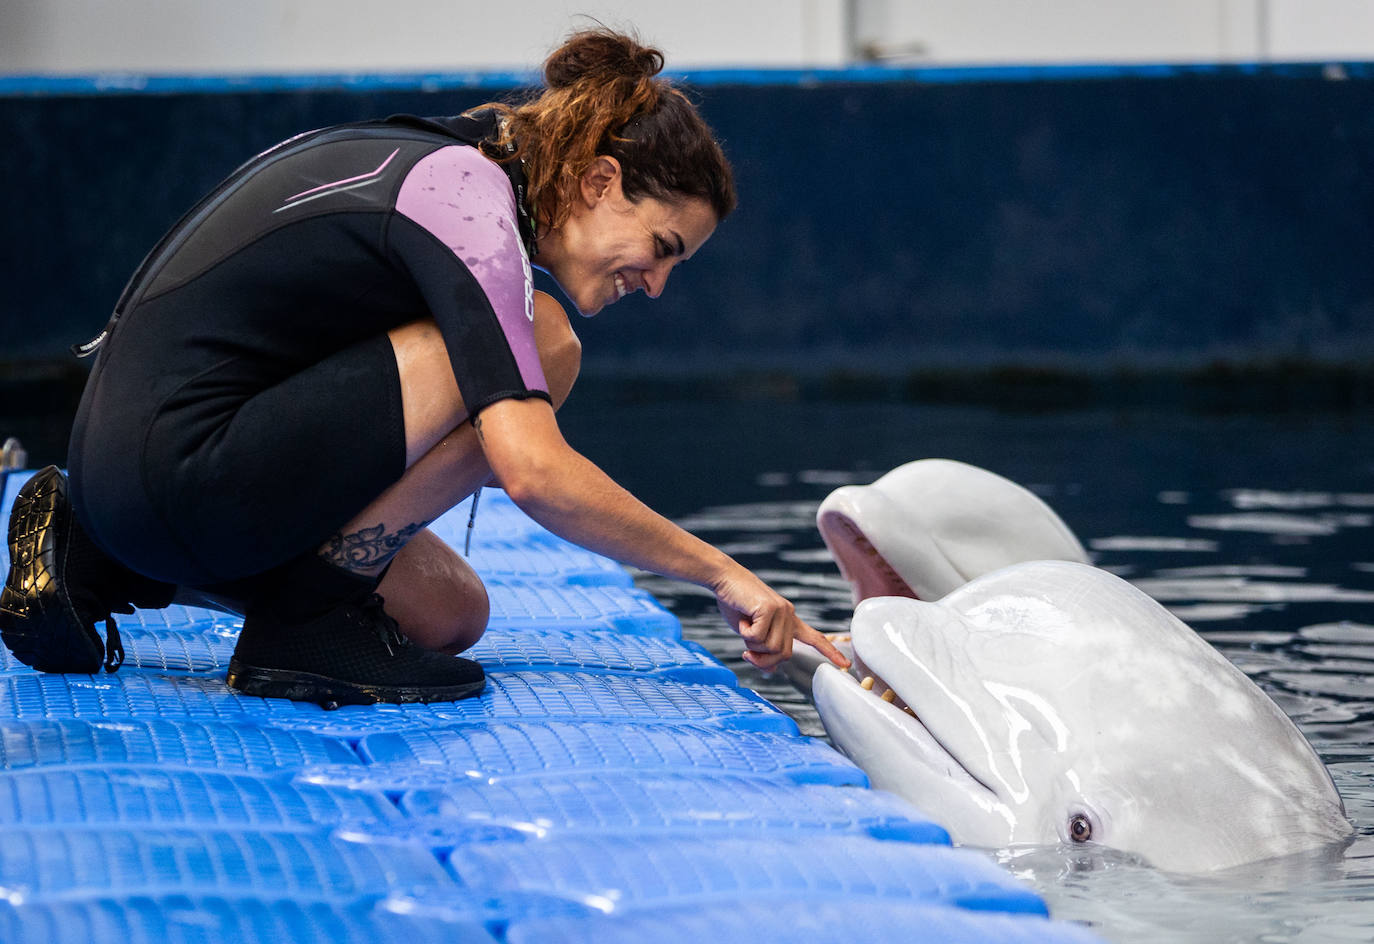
(368, 548)
(477, 425)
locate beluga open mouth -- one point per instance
(930, 526)
(926, 528)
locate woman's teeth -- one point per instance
(620, 290)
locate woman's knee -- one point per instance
(435, 596)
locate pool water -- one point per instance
(1256, 529)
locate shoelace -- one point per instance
(388, 630)
(114, 646)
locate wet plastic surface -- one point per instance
(612, 781)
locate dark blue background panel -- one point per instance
(888, 220)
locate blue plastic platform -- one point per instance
(627, 872)
(647, 804)
(202, 642)
(229, 919)
(131, 795)
(210, 745)
(613, 781)
(599, 651)
(507, 751)
(632, 612)
(794, 920)
(40, 864)
(537, 562)
(509, 696)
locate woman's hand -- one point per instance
(566, 493)
(766, 621)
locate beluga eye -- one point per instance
(1080, 828)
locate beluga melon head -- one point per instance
(932, 525)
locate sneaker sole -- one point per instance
(322, 690)
(38, 622)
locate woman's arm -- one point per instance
(568, 494)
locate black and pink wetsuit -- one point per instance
(245, 402)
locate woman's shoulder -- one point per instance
(460, 173)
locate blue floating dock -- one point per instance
(161, 743)
(613, 783)
(505, 751)
(128, 795)
(41, 864)
(643, 805)
(792, 919)
(509, 696)
(214, 919)
(629, 872)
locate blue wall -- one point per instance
(1061, 218)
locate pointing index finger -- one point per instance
(818, 639)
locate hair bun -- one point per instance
(600, 55)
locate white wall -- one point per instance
(284, 36)
(1322, 29)
(1031, 31)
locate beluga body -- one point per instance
(1052, 702)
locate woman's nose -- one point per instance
(656, 279)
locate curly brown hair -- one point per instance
(601, 97)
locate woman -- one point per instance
(342, 342)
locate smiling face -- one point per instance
(610, 246)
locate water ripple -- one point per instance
(1284, 525)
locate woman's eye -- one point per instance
(1080, 828)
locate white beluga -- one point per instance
(1052, 702)
(932, 525)
(926, 528)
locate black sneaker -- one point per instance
(354, 654)
(60, 585)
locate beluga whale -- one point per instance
(932, 525)
(1049, 701)
(926, 528)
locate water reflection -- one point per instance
(1277, 592)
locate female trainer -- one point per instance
(340, 343)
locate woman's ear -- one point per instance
(600, 179)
